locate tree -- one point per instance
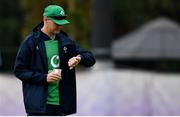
(78, 15)
(129, 14)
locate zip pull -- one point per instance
(37, 48)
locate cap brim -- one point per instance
(60, 22)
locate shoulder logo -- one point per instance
(65, 49)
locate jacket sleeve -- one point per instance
(87, 58)
(22, 69)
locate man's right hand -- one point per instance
(52, 77)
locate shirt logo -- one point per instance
(55, 61)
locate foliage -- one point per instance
(77, 11)
(130, 14)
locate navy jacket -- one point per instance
(31, 68)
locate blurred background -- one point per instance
(136, 44)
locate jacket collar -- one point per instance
(40, 36)
(64, 40)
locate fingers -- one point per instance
(55, 76)
(74, 61)
(52, 77)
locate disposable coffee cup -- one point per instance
(57, 71)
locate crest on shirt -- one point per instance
(55, 61)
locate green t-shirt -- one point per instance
(53, 62)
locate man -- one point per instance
(48, 91)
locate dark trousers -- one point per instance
(51, 110)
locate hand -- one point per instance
(53, 76)
(74, 61)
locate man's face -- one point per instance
(52, 27)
